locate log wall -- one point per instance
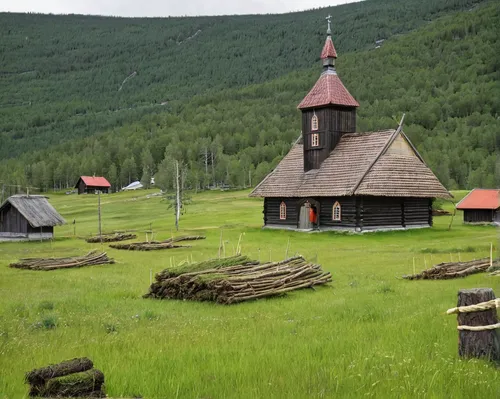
(478, 215)
(11, 221)
(358, 212)
(272, 211)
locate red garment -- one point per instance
(312, 215)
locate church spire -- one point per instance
(328, 55)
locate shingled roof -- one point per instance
(382, 163)
(36, 209)
(329, 89)
(328, 49)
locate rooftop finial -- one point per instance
(329, 19)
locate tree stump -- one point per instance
(479, 344)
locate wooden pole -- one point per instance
(99, 213)
(177, 196)
(480, 344)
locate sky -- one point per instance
(163, 8)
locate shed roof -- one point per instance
(95, 181)
(360, 164)
(36, 209)
(329, 89)
(481, 198)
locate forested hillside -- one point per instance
(67, 77)
(444, 75)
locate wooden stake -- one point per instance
(220, 243)
(480, 344)
(99, 213)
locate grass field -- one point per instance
(368, 334)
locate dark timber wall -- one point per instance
(333, 122)
(363, 213)
(479, 215)
(11, 221)
(272, 211)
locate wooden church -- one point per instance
(334, 178)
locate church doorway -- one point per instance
(308, 216)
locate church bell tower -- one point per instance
(328, 110)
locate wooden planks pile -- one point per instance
(236, 279)
(91, 259)
(69, 379)
(111, 237)
(156, 245)
(453, 270)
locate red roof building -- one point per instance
(481, 205)
(92, 184)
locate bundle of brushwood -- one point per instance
(155, 245)
(111, 237)
(75, 378)
(236, 279)
(440, 212)
(453, 270)
(91, 259)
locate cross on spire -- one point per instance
(329, 19)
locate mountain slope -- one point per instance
(68, 77)
(445, 76)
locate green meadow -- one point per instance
(367, 334)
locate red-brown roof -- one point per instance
(95, 181)
(481, 199)
(328, 49)
(329, 89)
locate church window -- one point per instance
(282, 211)
(315, 140)
(314, 123)
(337, 212)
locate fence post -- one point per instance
(480, 344)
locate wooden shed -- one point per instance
(481, 206)
(92, 184)
(28, 217)
(335, 178)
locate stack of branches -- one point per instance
(91, 259)
(440, 212)
(236, 279)
(155, 245)
(113, 237)
(453, 270)
(69, 379)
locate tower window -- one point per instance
(337, 212)
(314, 123)
(315, 140)
(282, 211)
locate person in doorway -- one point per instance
(313, 216)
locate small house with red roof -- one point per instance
(92, 184)
(481, 206)
(335, 178)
